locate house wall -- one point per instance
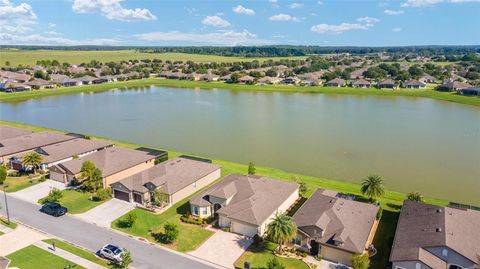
(223, 221)
(452, 257)
(410, 265)
(127, 172)
(192, 188)
(337, 255)
(281, 209)
(201, 212)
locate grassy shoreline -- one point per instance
(425, 93)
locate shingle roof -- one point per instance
(340, 219)
(421, 225)
(253, 198)
(110, 161)
(31, 142)
(10, 132)
(338, 81)
(361, 82)
(172, 175)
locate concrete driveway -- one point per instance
(34, 193)
(223, 248)
(107, 212)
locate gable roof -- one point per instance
(172, 175)
(338, 81)
(253, 198)
(110, 161)
(421, 225)
(31, 141)
(339, 219)
(10, 132)
(361, 82)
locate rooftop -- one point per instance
(30, 142)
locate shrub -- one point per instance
(42, 179)
(53, 196)
(129, 220)
(103, 194)
(360, 261)
(257, 240)
(3, 174)
(251, 168)
(170, 232)
(301, 253)
(194, 220)
(379, 213)
(274, 263)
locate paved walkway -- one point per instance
(107, 212)
(34, 193)
(19, 238)
(5, 229)
(223, 248)
(68, 256)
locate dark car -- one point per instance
(53, 209)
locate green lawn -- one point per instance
(190, 236)
(79, 252)
(78, 201)
(32, 257)
(19, 183)
(4, 222)
(259, 259)
(383, 239)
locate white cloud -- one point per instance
(424, 3)
(320, 2)
(296, 5)
(52, 33)
(283, 17)
(393, 12)
(273, 1)
(243, 10)
(112, 10)
(16, 18)
(228, 38)
(397, 29)
(36, 39)
(51, 25)
(365, 23)
(215, 21)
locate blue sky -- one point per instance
(259, 22)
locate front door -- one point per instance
(137, 198)
(314, 247)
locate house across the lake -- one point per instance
(245, 204)
(361, 83)
(414, 84)
(336, 82)
(387, 84)
(470, 91)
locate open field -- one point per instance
(30, 57)
(426, 93)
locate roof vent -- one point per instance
(439, 210)
(331, 201)
(438, 229)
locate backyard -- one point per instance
(31, 256)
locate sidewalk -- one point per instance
(5, 229)
(17, 239)
(68, 256)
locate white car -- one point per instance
(112, 253)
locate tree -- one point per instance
(360, 261)
(170, 232)
(372, 187)
(126, 260)
(32, 159)
(129, 220)
(251, 168)
(7, 63)
(281, 230)
(53, 196)
(235, 77)
(415, 196)
(3, 174)
(91, 176)
(274, 263)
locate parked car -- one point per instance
(53, 209)
(112, 252)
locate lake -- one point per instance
(415, 144)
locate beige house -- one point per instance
(245, 204)
(115, 164)
(177, 178)
(18, 145)
(335, 228)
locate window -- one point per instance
(418, 266)
(204, 211)
(444, 252)
(195, 210)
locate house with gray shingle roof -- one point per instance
(431, 237)
(335, 228)
(10, 132)
(245, 204)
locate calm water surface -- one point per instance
(416, 144)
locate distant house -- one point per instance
(334, 228)
(268, 80)
(226, 78)
(209, 77)
(290, 80)
(15, 76)
(177, 178)
(471, 91)
(85, 80)
(246, 79)
(387, 84)
(192, 76)
(68, 82)
(431, 237)
(40, 84)
(11, 86)
(7, 132)
(450, 86)
(114, 163)
(361, 83)
(427, 79)
(414, 84)
(311, 82)
(336, 82)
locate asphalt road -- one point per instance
(93, 237)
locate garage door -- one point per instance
(121, 195)
(57, 176)
(244, 229)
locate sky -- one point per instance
(233, 23)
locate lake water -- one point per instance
(415, 144)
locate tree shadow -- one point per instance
(184, 208)
(394, 206)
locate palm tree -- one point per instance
(91, 176)
(372, 187)
(282, 229)
(32, 159)
(415, 196)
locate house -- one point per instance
(15, 76)
(311, 81)
(427, 79)
(115, 164)
(268, 80)
(471, 91)
(436, 237)
(387, 84)
(361, 83)
(209, 77)
(177, 178)
(290, 80)
(246, 79)
(450, 86)
(226, 78)
(18, 145)
(336, 82)
(40, 84)
(335, 228)
(245, 204)
(12, 86)
(414, 84)
(192, 76)
(63, 152)
(65, 81)
(10, 132)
